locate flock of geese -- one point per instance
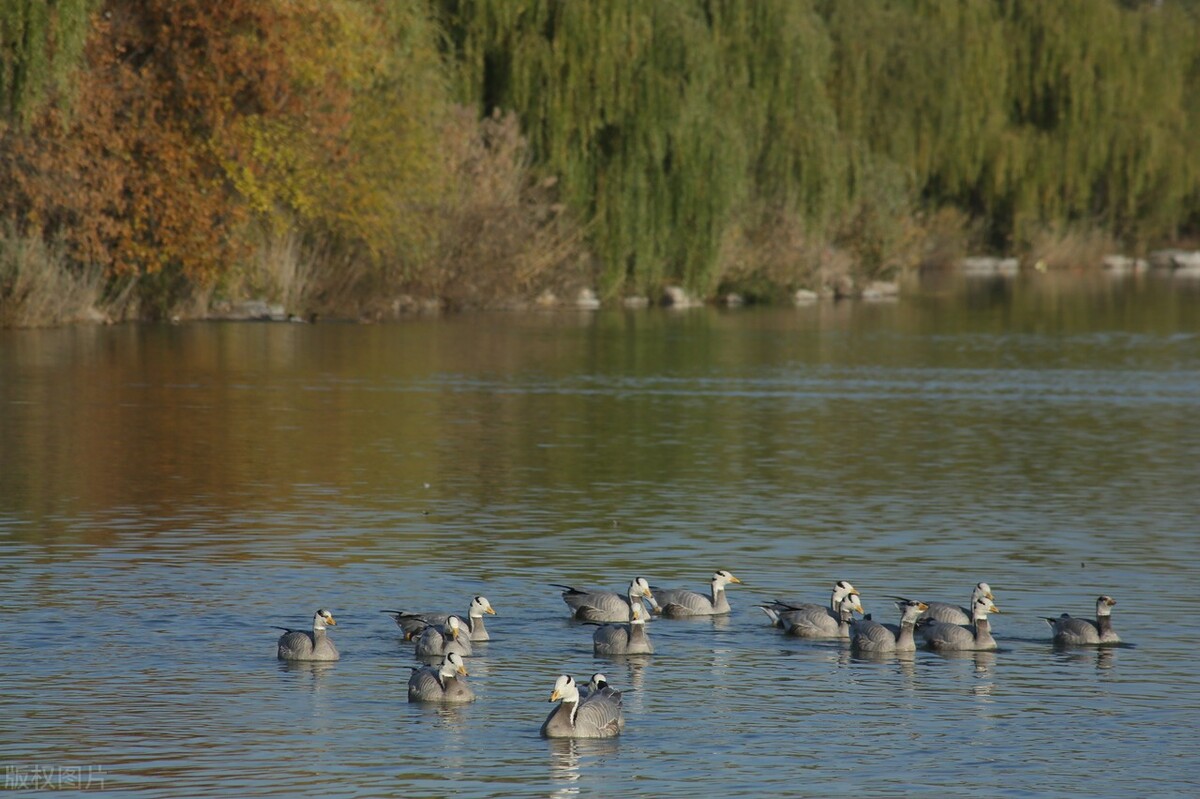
(594, 711)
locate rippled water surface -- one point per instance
(167, 493)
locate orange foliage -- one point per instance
(136, 177)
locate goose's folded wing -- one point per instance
(599, 715)
(681, 601)
(424, 683)
(947, 612)
(867, 631)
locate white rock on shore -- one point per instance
(988, 265)
(1123, 265)
(249, 311)
(881, 290)
(1174, 259)
(587, 300)
(677, 297)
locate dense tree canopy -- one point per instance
(171, 140)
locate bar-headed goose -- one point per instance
(956, 614)
(962, 637)
(598, 683)
(814, 621)
(678, 602)
(440, 683)
(302, 645)
(598, 716)
(438, 640)
(413, 624)
(624, 639)
(1070, 631)
(606, 605)
(871, 636)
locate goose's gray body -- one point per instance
(974, 636)
(871, 636)
(1071, 631)
(814, 621)
(597, 716)
(678, 602)
(957, 614)
(317, 645)
(441, 683)
(606, 606)
(624, 639)
(413, 624)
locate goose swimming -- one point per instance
(606, 605)
(413, 624)
(440, 683)
(438, 640)
(598, 716)
(598, 683)
(871, 636)
(1070, 631)
(301, 645)
(815, 621)
(955, 614)
(624, 639)
(975, 636)
(677, 602)
(840, 589)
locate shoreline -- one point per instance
(1173, 268)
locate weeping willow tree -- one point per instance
(921, 85)
(670, 122)
(41, 43)
(665, 120)
(1100, 130)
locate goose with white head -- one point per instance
(624, 639)
(871, 636)
(679, 602)
(840, 590)
(1070, 631)
(438, 640)
(605, 606)
(303, 645)
(597, 684)
(976, 636)
(811, 619)
(815, 621)
(413, 624)
(956, 614)
(597, 716)
(441, 683)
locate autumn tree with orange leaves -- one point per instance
(141, 174)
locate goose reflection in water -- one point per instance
(318, 672)
(635, 673)
(451, 717)
(1103, 657)
(905, 663)
(984, 659)
(569, 755)
(985, 671)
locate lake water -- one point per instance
(167, 493)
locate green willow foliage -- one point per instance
(1101, 100)
(684, 133)
(671, 122)
(664, 119)
(41, 42)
